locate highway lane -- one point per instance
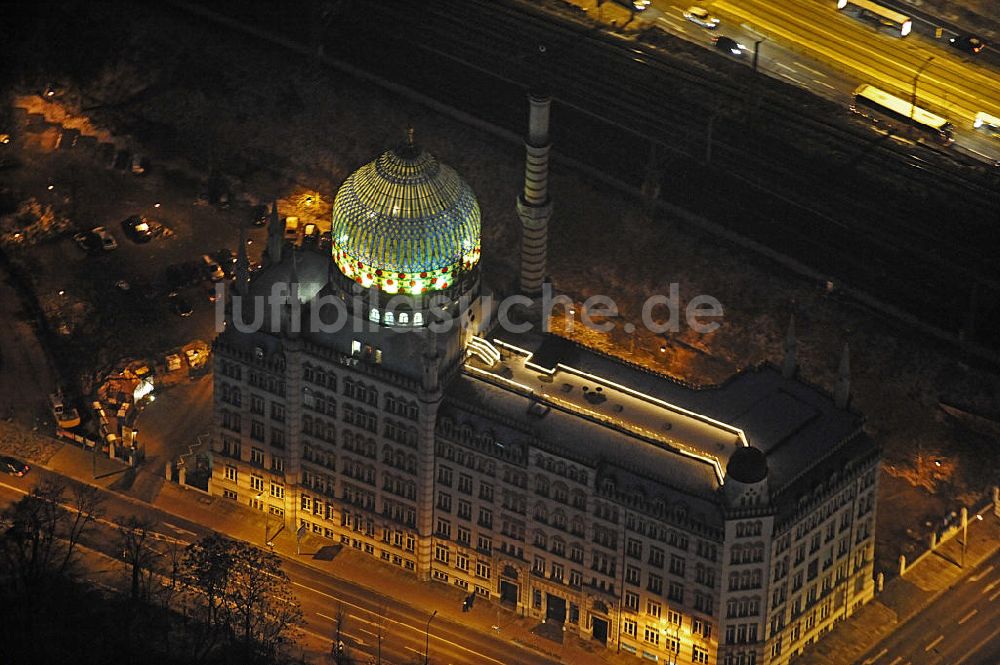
(961, 626)
(319, 593)
(948, 83)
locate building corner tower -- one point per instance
(533, 204)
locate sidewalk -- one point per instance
(237, 521)
(903, 597)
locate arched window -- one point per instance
(373, 315)
(404, 318)
(418, 319)
(542, 485)
(390, 318)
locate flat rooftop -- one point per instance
(794, 423)
(601, 399)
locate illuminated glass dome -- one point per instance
(405, 223)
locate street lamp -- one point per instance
(913, 96)
(427, 638)
(267, 522)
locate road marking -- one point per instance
(989, 587)
(174, 527)
(400, 623)
(781, 64)
(809, 69)
(981, 575)
(876, 657)
(994, 596)
(967, 616)
(896, 660)
(343, 633)
(940, 638)
(972, 652)
(824, 83)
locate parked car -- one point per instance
(700, 16)
(212, 268)
(107, 240)
(729, 45)
(137, 229)
(14, 466)
(88, 242)
(64, 416)
(226, 258)
(261, 214)
(971, 44)
(179, 306)
(635, 5)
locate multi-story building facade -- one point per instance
(722, 524)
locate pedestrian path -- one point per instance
(904, 597)
(348, 564)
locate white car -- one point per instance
(108, 241)
(701, 17)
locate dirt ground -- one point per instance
(277, 125)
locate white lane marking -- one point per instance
(994, 596)
(781, 64)
(876, 657)
(989, 587)
(809, 69)
(344, 633)
(419, 631)
(981, 575)
(824, 83)
(896, 660)
(940, 638)
(174, 527)
(791, 78)
(968, 616)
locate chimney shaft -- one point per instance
(533, 205)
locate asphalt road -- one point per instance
(961, 626)
(948, 81)
(320, 595)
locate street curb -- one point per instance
(868, 653)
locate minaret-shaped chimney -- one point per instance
(790, 363)
(241, 276)
(842, 393)
(275, 235)
(533, 205)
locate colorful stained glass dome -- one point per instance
(405, 223)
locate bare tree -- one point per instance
(30, 546)
(87, 507)
(207, 569)
(139, 557)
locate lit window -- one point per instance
(355, 347)
(404, 318)
(390, 318)
(373, 315)
(418, 319)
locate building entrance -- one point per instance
(508, 592)
(599, 629)
(555, 608)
